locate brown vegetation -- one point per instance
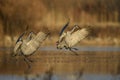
(102, 15)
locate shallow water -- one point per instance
(61, 77)
(80, 48)
(86, 48)
(99, 63)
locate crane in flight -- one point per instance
(26, 47)
(70, 38)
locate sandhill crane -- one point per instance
(28, 46)
(70, 38)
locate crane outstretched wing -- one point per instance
(31, 36)
(31, 46)
(64, 27)
(41, 36)
(20, 37)
(83, 33)
(78, 36)
(17, 48)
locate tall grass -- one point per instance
(102, 15)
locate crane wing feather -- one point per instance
(31, 46)
(78, 36)
(64, 27)
(17, 48)
(20, 37)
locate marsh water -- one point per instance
(91, 63)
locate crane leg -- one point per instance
(27, 61)
(72, 51)
(70, 48)
(75, 48)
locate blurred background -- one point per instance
(102, 15)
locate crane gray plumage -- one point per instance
(70, 38)
(64, 27)
(28, 46)
(20, 37)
